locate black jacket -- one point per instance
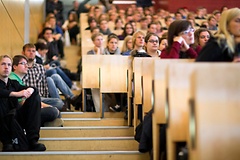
(213, 52)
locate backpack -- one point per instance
(89, 101)
(19, 139)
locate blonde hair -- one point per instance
(124, 47)
(5, 56)
(134, 37)
(223, 33)
(96, 35)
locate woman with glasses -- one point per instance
(224, 46)
(152, 42)
(180, 37)
(201, 36)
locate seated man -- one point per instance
(27, 115)
(50, 116)
(36, 77)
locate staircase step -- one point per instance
(94, 131)
(92, 115)
(90, 144)
(74, 155)
(94, 122)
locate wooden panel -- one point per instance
(137, 63)
(11, 29)
(36, 19)
(12, 24)
(179, 95)
(161, 110)
(215, 113)
(113, 77)
(147, 74)
(90, 71)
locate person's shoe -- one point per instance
(37, 147)
(75, 87)
(65, 109)
(67, 106)
(7, 148)
(58, 122)
(116, 108)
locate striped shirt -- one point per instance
(36, 77)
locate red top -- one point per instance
(175, 50)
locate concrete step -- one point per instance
(94, 131)
(90, 144)
(94, 122)
(75, 155)
(92, 115)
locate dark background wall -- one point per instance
(173, 5)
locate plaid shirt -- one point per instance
(36, 77)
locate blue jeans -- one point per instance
(49, 114)
(58, 70)
(56, 82)
(55, 102)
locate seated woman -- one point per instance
(224, 46)
(180, 37)
(201, 36)
(112, 45)
(127, 46)
(118, 24)
(163, 44)
(152, 42)
(128, 30)
(71, 25)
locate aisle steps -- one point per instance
(86, 137)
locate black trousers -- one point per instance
(29, 118)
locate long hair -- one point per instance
(223, 35)
(135, 37)
(175, 29)
(124, 33)
(197, 35)
(124, 46)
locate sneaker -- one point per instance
(37, 147)
(116, 108)
(58, 122)
(75, 87)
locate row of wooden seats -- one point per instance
(169, 94)
(107, 73)
(168, 85)
(175, 82)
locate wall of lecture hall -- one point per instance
(12, 24)
(173, 5)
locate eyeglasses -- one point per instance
(152, 41)
(23, 63)
(188, 31)
(202, 37)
